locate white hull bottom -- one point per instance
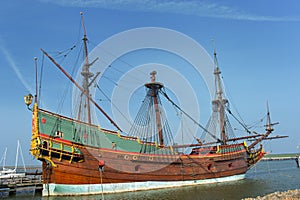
(53, 189)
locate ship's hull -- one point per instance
(54, 189)
(124, 171)
(122, 167)
(73, 168)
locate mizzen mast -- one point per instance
(86, 74)
(81, 89)
(84, 89)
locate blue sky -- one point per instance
(258, 47)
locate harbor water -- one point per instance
(264, 178)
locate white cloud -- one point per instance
(193, 7)
(14, 66)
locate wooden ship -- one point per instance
(80, 158)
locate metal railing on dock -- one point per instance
(280, 158)
(296, 158)
(29, 180)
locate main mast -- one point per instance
(154, 87)
(219, 102)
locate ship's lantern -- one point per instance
(28, 99)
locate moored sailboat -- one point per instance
(79, 157)
(12, 173)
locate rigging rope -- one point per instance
(121, 60)
(151, 126)
(242, 124)
(183, 124)
(202, 127)
(255, 124)
(97, 86)
(227, 93)
(68, 86)
(41, 78)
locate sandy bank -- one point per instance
(287, 195)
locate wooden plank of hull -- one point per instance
(118, 169)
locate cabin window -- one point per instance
(58, 134)
(114, 145)
(137, 168)
(45, 145)
(194, 151)
(209, 166)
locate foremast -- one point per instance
(219, 103)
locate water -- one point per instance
(266, 177)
